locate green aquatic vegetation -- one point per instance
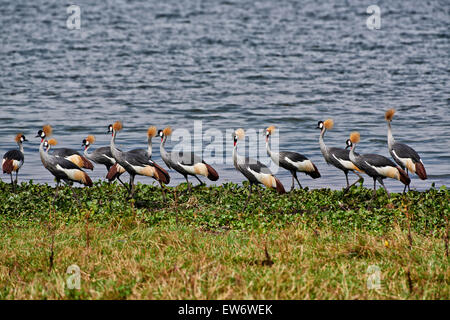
(220, 207)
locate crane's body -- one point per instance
(405, 156)
(136, 162)
(61, 168)
(255, 172)
(67, 153)
(13, 159)
(292, 161)
(337, 157)
(102, 155)
(376, 166)
(185, 163)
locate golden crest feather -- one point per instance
(167, 131)
(117, 126)
(355, 137)
(389, 114)
(240, 133)
(151, 132)
(328, 124)
(17, 138)
(90, 139)
(271, 129)
(48, 130)
(52, 142)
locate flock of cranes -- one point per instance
(68, 164)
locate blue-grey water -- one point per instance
(231, 64)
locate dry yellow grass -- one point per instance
(132, 261)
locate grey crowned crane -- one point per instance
(103, 156)
(337, 157)
(405, 156)
(291, 161)
(61, 168)
(13, 159)
(136, 163)
(116, 170)
(253, 170)
(185, 163)
(69, 154)
(375, 166)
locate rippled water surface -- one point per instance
(231, 64)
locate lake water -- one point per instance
(230, 64)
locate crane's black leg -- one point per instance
(346, 178)
(360, 178)
(349, 186)
(57, 189)
(201, 182)
(382, 183)
(74, 194)
(162, 190)
(12, 183)
(404, 189)
(295, 176)
(124, 184)
(248, 198)
(188, 184)
(374, 187)
(132, 187)
(259, 192)
(17, 176)
(292, 186)
(407, 172)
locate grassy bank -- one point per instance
(304, 245)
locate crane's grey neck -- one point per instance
(44, 155)
(275, 156)
(391, 140)
(115, 153)
(162, 150)
(88, 155)
(149, 148)
(236, 157)
(352, 153)
(269, 152)
(20, 146)
(323, 146)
